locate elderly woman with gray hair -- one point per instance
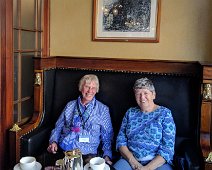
(147, 135)
(83, 123)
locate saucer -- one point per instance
(36, 167)
(86, 167)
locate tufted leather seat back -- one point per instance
(180, 93)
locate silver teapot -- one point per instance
(73, 160)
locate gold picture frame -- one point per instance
(126, 20)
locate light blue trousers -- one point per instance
(122, 164)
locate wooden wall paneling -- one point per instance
(206, 113)
(206, 128)
(6, 79)
(46, 30)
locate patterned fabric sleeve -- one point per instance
(166, 149)
(56, 132)
(106, 132)
(122, 138)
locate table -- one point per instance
(57, 168)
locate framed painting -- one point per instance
(126, 20)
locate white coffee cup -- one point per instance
(27, 163)
(97, 163)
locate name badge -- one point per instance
(84, 138)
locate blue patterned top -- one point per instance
(148, 134)
(96, 119)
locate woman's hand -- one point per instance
(143, 168)
(107, 160)
(135, 164)
(52, 148)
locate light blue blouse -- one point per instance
(148, 134)
(95, 118)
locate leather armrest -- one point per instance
(189, 156)
(35, 142)
(192, 155)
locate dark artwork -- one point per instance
(127, 16)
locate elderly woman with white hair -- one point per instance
(83, 123)
(147, 135)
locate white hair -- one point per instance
(87, 79)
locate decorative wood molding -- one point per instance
(38, 95)
(15, 128)
(207, 95)
(207, 72)
(16, 132)
(158, 66)
(37, 80)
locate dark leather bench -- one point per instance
(179, 91)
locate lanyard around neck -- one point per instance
(81, 114)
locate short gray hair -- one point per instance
(87, 79)
(144, 83)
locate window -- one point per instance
(27, 37)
